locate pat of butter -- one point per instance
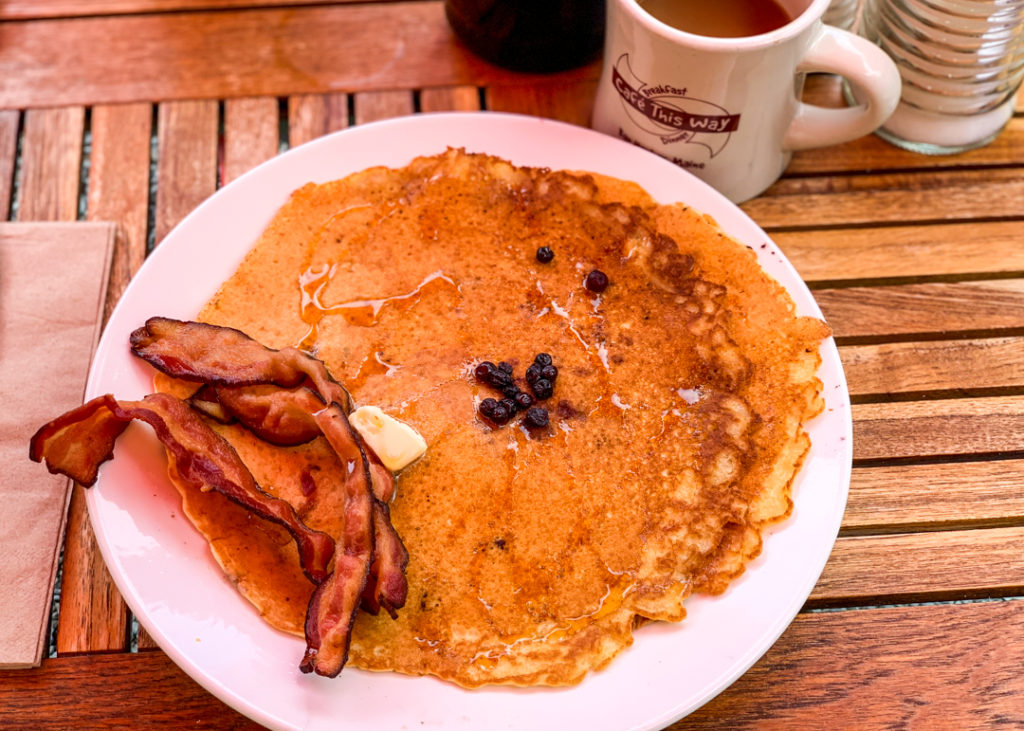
(395, 442)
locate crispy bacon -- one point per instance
(196, 351)
(277, 415)
(76, 443)
(199, 351)
(388, 586)
(332, 608)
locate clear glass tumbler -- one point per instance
(961, 62)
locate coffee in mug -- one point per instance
(728, 109)
(719, 18)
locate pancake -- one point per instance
(676, 425)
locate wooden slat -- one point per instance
(912, 497)
(119, 185)
(905, 251)
(953, 666)
(51, 161)
(260, 52)
(902, 198)
(873, 153)
(940, 365)
(450, 99)
(923, 308)
(937, 666)
(122, 690)
(371, 106)
(938, 428)
(30, 9)
(314, 115)
(923, 566)
(92, 614)
(251, 134)
(566, 101)
(187, 163)
(9, 121)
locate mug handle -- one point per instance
(875, 81)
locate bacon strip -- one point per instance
(332, 608)
(76, 443)
(203, 352)
(280, 416)
(197, 351)
(388, 586)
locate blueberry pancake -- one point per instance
(612, 391)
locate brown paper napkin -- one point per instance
(53, 278)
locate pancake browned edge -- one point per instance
(676, 429)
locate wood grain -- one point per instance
(937, 667)
(251, 135)
(258, 52)
(314, 115)
(873, 153)
(371, 106)
(565, 101)
(975, 426)
(119, 185)
(93, 617)
(923, 567)
(10, 119)
(923, 308)
(912, 497)
(187, 163)
(905, 251)
(112, 691)
(911, 197)
(51, 162)
(29, 9)
(450, 99)
(941, 365)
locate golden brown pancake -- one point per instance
(676, 424)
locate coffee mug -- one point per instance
(728, 109)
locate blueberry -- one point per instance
(542, 359)
(505, 366)
(499, 379)
(523, 400)
(501, 415)
(596, 281)
(536, 417)
(510, 405)
(550, 372)
(542, 389)
(545, 254)
(511, 390)
(533, 374)
(487, 407)
(484, 369)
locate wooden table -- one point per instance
(134, 112)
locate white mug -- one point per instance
(728, 109)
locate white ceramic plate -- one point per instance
(166, 574)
